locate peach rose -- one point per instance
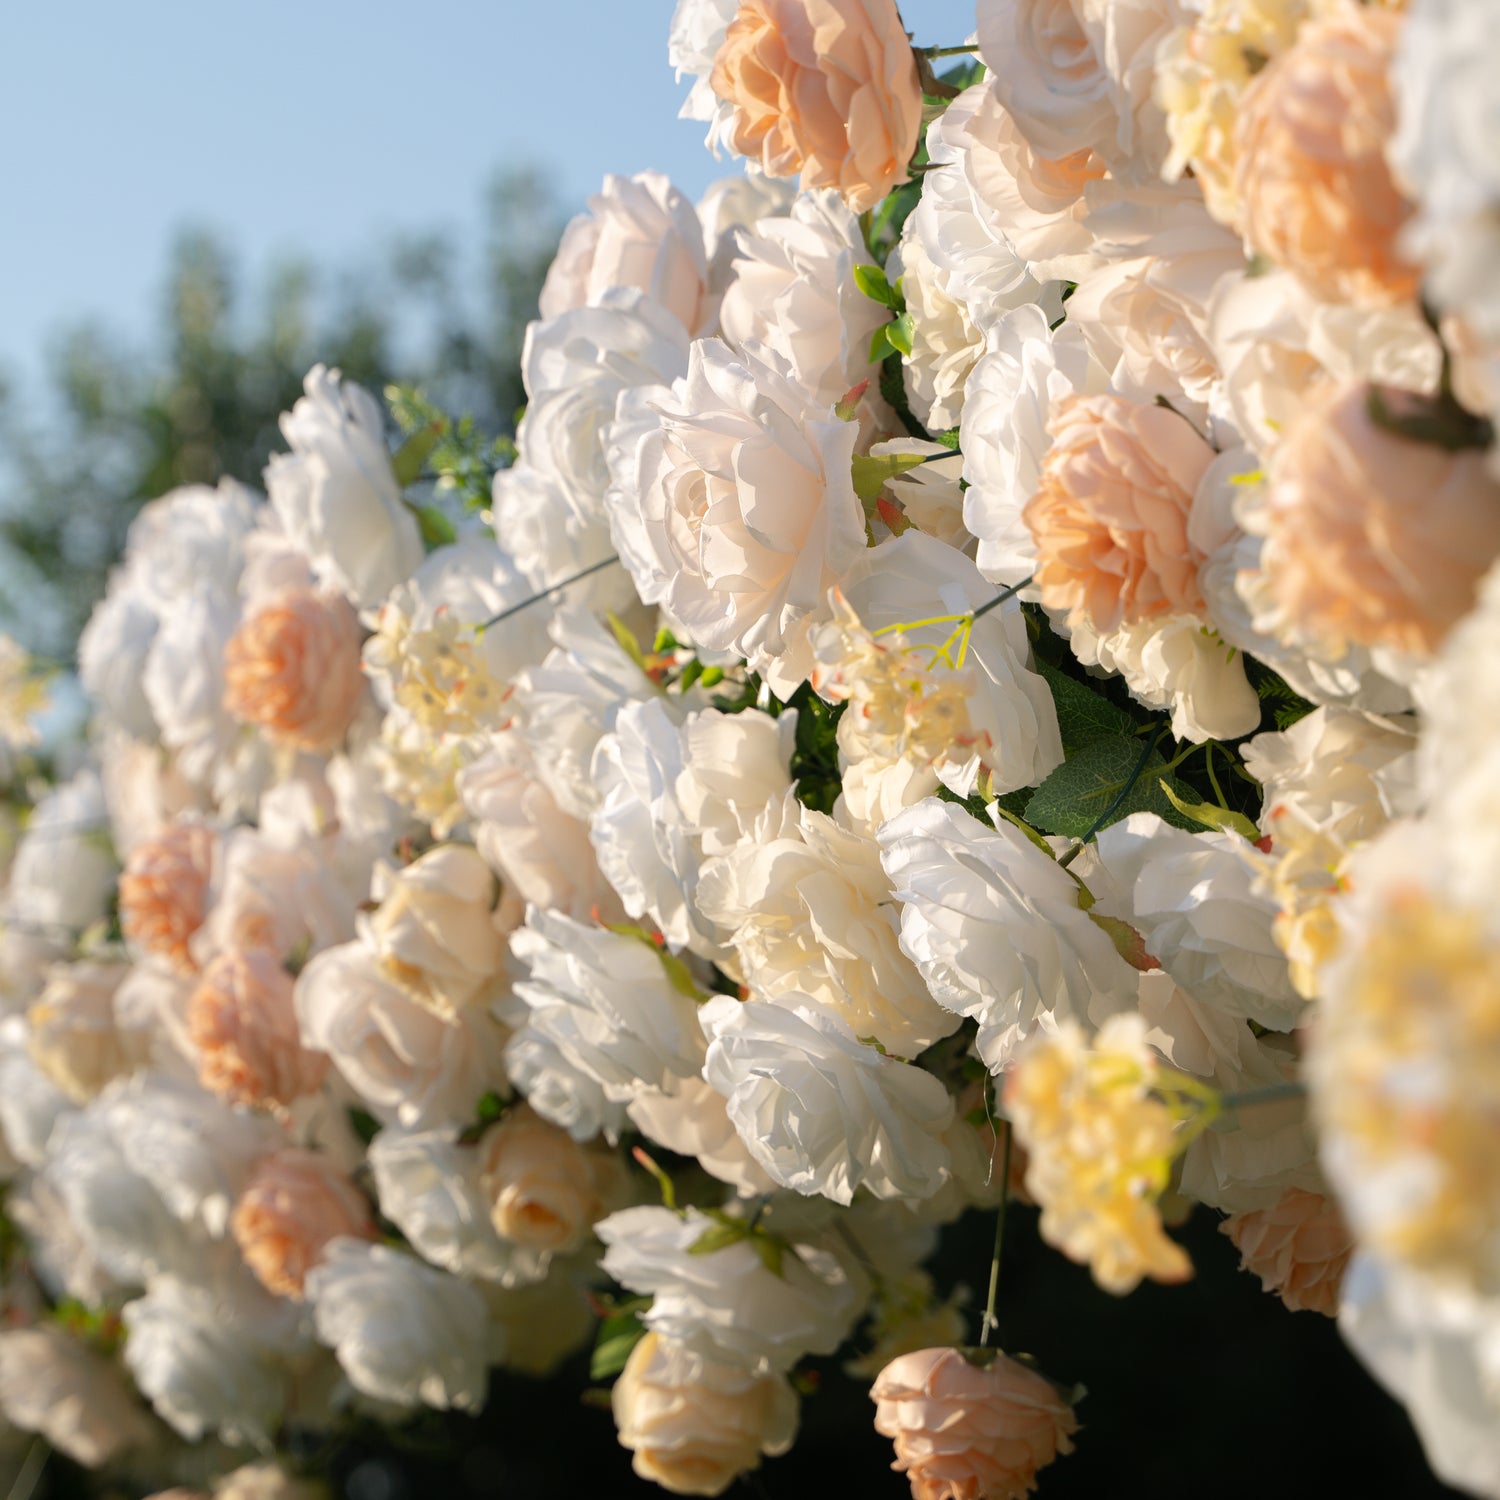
(962, 1432)
(292, 668)
(1299, 1247)
(294, 1204)
(694, 1424)
(164, 892)
(1315, 192)
(241, 1020)
(545, 1190)
(1111, 509)
(1371, 537)
(827, 88)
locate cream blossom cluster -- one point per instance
(976, 689)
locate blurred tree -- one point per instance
(120, 426)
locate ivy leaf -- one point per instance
(1083, 716)
(1073, 797)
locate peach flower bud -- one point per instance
(293, 669)
(827, 88)
(694, 1424)
(164, 892)
(294, 1204)
(545, 1190)
(241, 1020)
(1315, 192)
(1110, 513)
(1299, 1247)
(1371, 537)
(966, 1433)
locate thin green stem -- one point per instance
(1213, 780)
(1275, 1093)
(946, 51)
(1000, 598)
(1119, 796)
(548, 592)
(989, 1321)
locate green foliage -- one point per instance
(1074, 796)
(1282, 703)
(1083, 715)
(618, 1334)
(460, 458)
(815, 759)
(871, 280)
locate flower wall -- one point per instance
(978, 687)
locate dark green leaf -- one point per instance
(1083, 716)
(1074, 796)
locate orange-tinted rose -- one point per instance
(1299, 1247)
(1315, 192)
(292, 669)
(827, 88)
(965, 1433)
(294, 1204)
(164, 891)
(1110, 513)
(241, 1020)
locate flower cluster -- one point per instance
(979, 685)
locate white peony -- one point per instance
(817, 1108)
(403, 1331)
(336, 491)
(996, 929)
(726, 1304)
(732, 504)
(608, 1004)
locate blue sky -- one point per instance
(311, 127)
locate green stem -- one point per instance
(989, 1321)
(1119, 796)
(1275, 1093)
(1000, 598)
(1213, 780)
(945, 51)
(548, 592)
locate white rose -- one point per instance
(191, 541)
(945, 342)
(63, 871)
(212, 1357)
(336, 491)
(569, 702)
(1026, 368)
(693, 1424)
(558, 1089)
(74, 1039)
(995, 927)
(1336, 768)
(60, 1256)
(542, 854)
(1436, 1349)
(638, 232)
(735, 782)
(1196, 901)
(1079, 73)
(817, 1108)
(732, 201)
(732, 504)
(112, 653)
(406, 1064)
(726, 1304)
(608, 1004)
(80, 1402)
(435, 931)
(995, 208)
(184, 684)
(30, 1102)
(693, 1121)
(403, 1331)
(793, 291)
(698, 28)
(811, 914)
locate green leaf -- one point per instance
(1212, 816)
(363, 1124)
(1019, 822)
(880, 344)
(719, 1236)
(437, 530)
(408, 459)
(617, 1336)
(1073, 797)
(1083, 716)
(871, 280)
(770, 1250)
(626, 638)
(900, 333)
(870, 473)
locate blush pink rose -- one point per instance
(1315, 192)
(1110, 513)
(164, 892)
(1299, 1247)
(966, 1433)
(827, 88)
(294, 1204)
(1371, 537)
(243, 1025)
(293, 669)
